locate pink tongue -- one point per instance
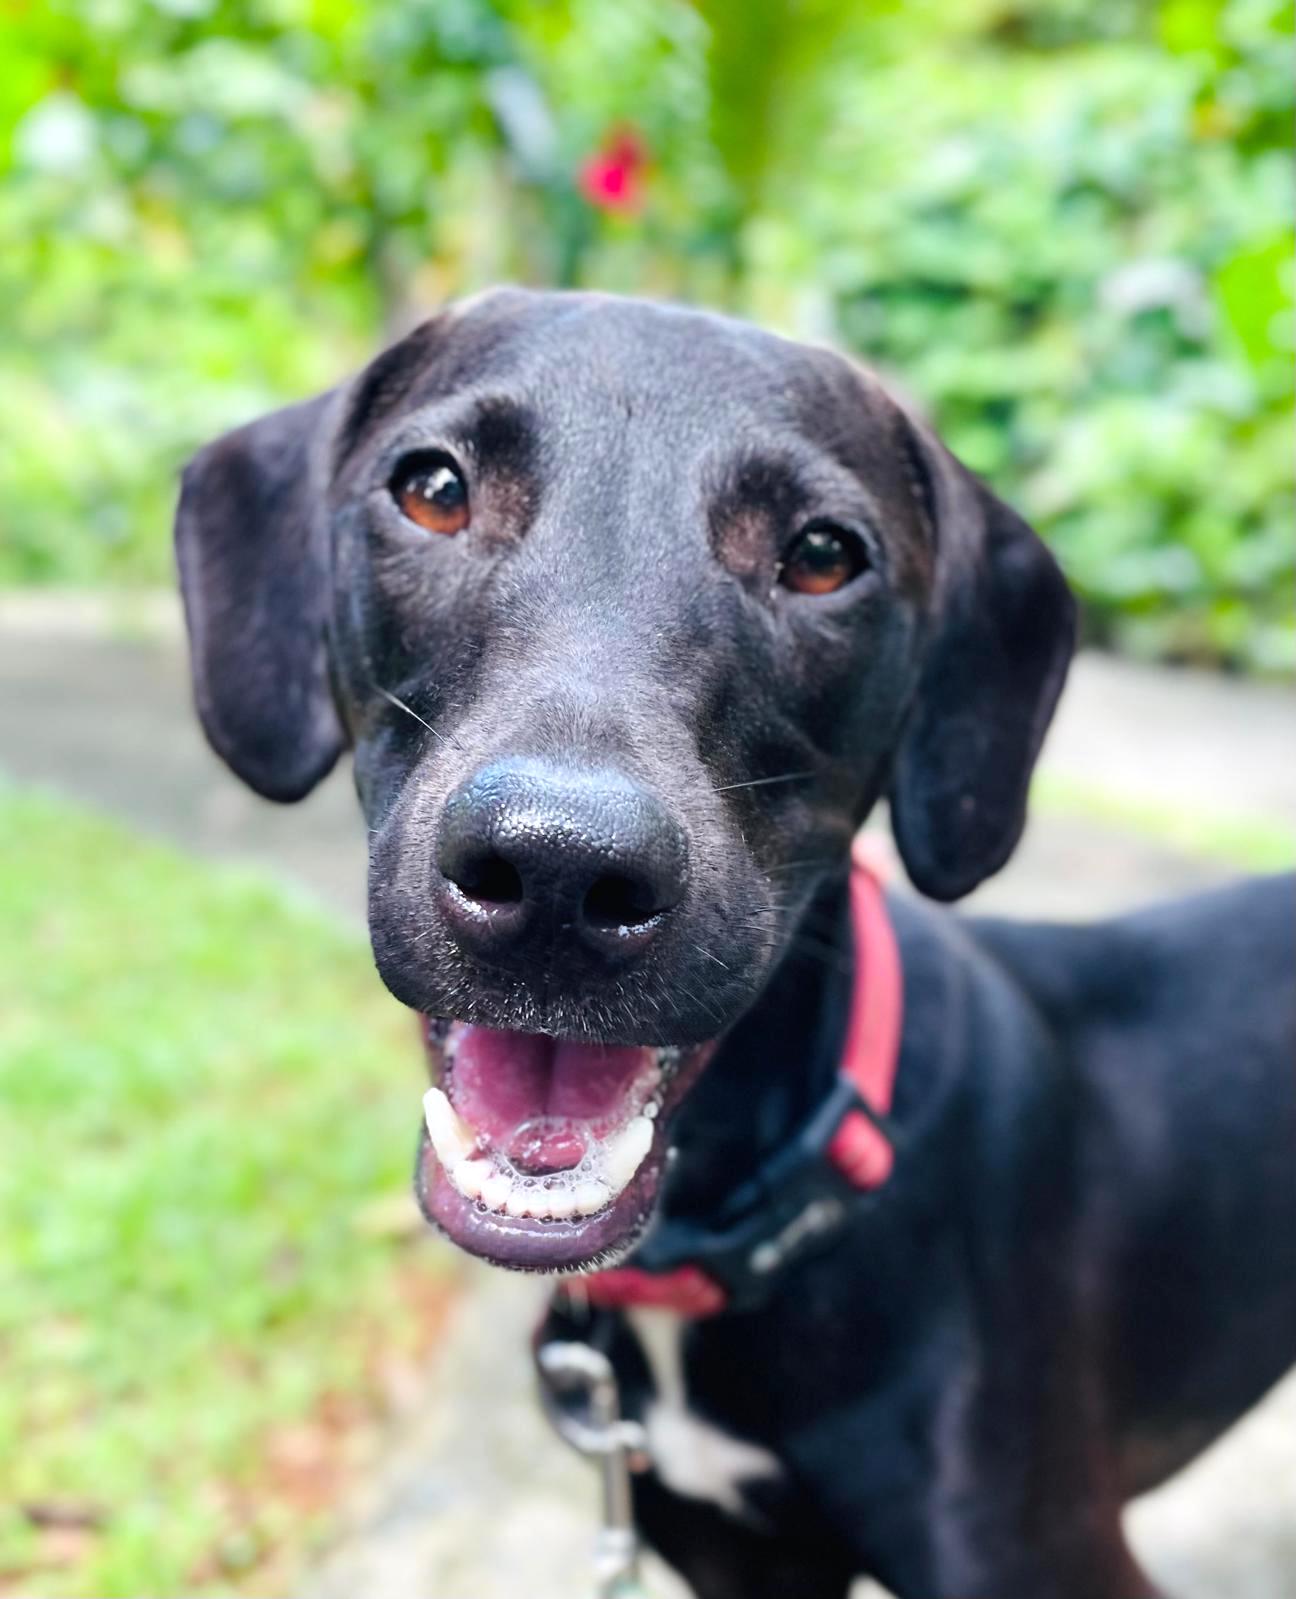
(503, 1082)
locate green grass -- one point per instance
(204, 1094)
(1249, 843)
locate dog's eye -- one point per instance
(822, 560)
(431, 492)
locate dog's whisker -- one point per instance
(762, 782)
(700, 1003)
(702, 951)
(393, 699)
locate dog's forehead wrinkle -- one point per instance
(603, 354)
(663, 355)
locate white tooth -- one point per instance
(624, 1155)
(519, 1203)
(650, 1110)
(496, 1191)
(541, 1204)
(451, 1136)
(560, 1204)
(470, 1176)
(589, 1197)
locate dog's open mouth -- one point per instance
(541, 1153)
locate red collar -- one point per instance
(859, 1150)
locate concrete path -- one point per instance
(110, 722)
(477, 1501)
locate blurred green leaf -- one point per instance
(1254, 293)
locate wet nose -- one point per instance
(528, 850)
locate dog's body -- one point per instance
(1082, 1272)
(695, 598)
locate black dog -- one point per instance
(630, 615)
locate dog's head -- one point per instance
(629, 614)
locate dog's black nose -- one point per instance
(530, 850)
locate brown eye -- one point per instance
(431, 492)
(822, 560)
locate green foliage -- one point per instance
(1079, 258)
(1063, 226)
(205, 1092)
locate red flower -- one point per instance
(612, 178)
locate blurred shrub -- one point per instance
(1064, 226)
(1079, 257)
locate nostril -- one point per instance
(489, 878)
(616, 901)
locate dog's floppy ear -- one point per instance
(254, 569)
(1002, 636)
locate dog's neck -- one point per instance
(771, 1070)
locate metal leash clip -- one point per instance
(583, 1402)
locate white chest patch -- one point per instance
(692, 1456)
